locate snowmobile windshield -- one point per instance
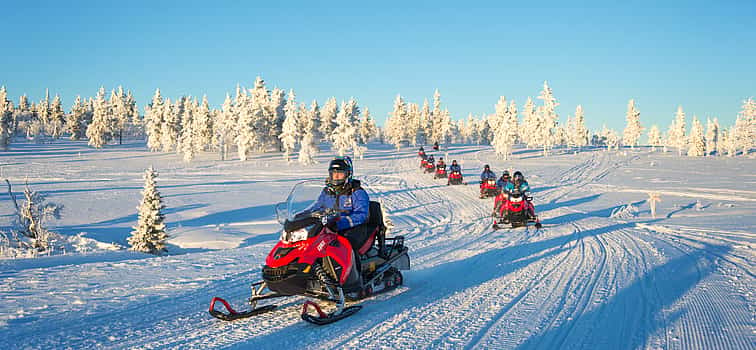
(301, 200)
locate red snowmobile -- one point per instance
(313, 261)
(455, 178)
(440, 172)
(515, 209)
(488, 188)
(430, 167)
(423, 163)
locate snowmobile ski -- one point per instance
(235, 315)
(322, 318)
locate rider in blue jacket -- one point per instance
(487, 174)
(518, 183)
(345, 194)
(454, 167)
(502, 182)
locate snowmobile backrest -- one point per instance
(375, 215)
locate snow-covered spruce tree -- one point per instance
(309, 149)
(425, 121)
(246, 136)
(76, 119)
(170, 129)
(98, 131)
(633, 129)
(612, 140)
(6, 119)
(413, 123)
(225, 127)
(729, 142)
(676, 134)
(367, 127)
(136, 121)
(396, 122)
(721, 142)
(548, 117)
(278, 115)
(505, 133)
(445, 127)
(528, 123)
(696, 140)
(314, 115)
(43, 114)
(204, 123)
(654, 138)
(580, 134)
(262, 114)
(436, 119)
(149, 234)
(57, 118)
(291, 128)
(712, 135)
(328, 118)
(497, 120)
(189, 135)
(120, 113)
(748, 115)
(153, 120)
(344, 135)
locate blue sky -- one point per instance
(696, 54)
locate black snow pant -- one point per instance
(357, 236)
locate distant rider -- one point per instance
(487, 174)
(421, 153)
(441, 164)
(503, 181)
(520, 185)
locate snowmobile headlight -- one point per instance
(294, 236)
(516, 199)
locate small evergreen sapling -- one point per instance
(149, 234)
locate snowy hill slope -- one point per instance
(601, 274)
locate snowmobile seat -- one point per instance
(375, 228)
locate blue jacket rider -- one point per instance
(454, 167)
(502, 182)
(344, 194)
(487, 174)
(518, 183)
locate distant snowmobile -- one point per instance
(311, 260)
(488, 188)
(515, 209)
(455, 178)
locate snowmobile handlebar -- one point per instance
(308, 218)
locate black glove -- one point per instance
(331, 225)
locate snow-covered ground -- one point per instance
(601, 274)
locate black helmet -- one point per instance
(505, 174)
(486, 167)
(422, 149)
(440, 159)
(454, 161)
(430, 158)
(517, 176)
(342, 166)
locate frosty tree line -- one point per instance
(259, 120)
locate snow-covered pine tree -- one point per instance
(57, 118)
(278, 116)
(6, 119)
(137, 124)
(436, 119)
(154, 122)
(314, 115)
(696, 140)
(204, 121)
(75, 119)
(328, 118)
(120, 113)
(413, 124)
(189, 135)
(676, 134)
(612, 140)
(633, 129)
(225, 127)
(445, 127)
(712, 135)
(529, 123)
(149, 234)
(98, 131)
(171, 126)
(472, 126)
(308, 149)
(654, 138)
(344, 137)
(581, 133)
(729, 143)
(246, 129)
(548, 117)
(367, 127)
(425, 122)
(291, 129)
(43, 113)
(396, 122)
(504, 126)
(748, 113)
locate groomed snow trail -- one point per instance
(586, 280)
